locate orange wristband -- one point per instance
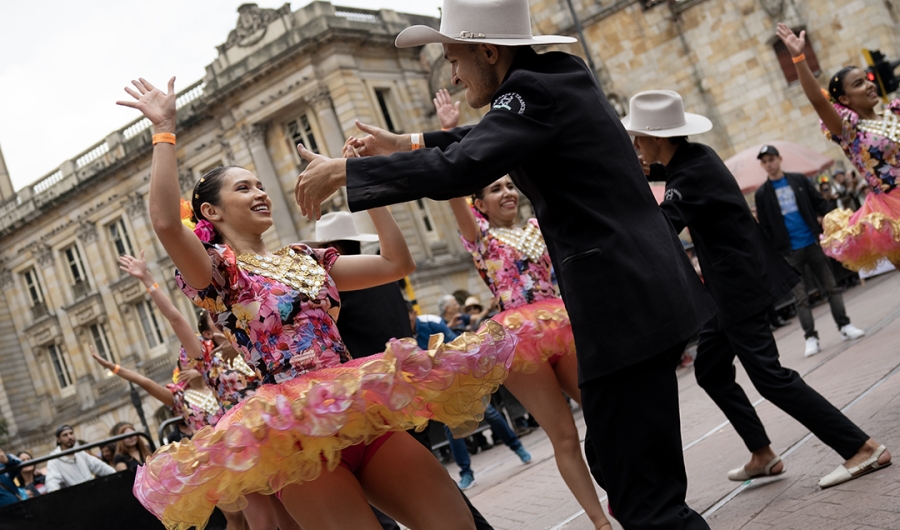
(165, 138)
(799, 58)
(116, 369)
(414, 140)
(153, 287)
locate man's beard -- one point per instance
(486, 84)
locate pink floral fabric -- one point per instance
(195, 417)
(509, 274)
(876, 157)
(230, 385)
(279, 330)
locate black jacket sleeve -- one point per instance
(681, 202)
(504, 139)
(763, 216)
(443, 139)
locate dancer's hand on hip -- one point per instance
(322, 177)
(156, 105)
(794, 43)
(379, 141)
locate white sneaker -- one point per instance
(851, 332)
(812, 346)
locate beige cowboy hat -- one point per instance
(661, 113)
(500, 22)
(340, 226)
(472, 301)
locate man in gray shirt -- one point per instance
(73, 469)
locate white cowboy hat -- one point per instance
(340, 226)
(500, 22)
(661, 113)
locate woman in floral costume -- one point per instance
(514, 263)
(871, 141)
(323, 432)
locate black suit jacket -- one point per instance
(742, 270)
(371, 317)
(810, 203)
(629, 288)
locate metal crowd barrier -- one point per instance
(80, 448)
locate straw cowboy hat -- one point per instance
(500, 22)
(661, 113)
(340, 226)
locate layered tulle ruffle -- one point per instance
(543, 331)
(859, 240)
(287, 433)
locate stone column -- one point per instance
(320, 101)
(255, 137)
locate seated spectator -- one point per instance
(9, 492)
(476, 312)
(30, 479)
(73, 469)
(130, 452)
(449, 309)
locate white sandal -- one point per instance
(842, 474)
(741, 474)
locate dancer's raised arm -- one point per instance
(152, 387)
(137, 267)
(796, 44)
(181, 244)
(365, 270)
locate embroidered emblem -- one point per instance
(672, 195)
(510, 101)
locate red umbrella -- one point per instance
(795, 159)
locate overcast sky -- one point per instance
(63, 65)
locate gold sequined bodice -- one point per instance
(296, 269)
(527, 240)
(888, 126)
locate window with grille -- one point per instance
(383, 95)
(119, 236)
(300, 132)
(35, 293)
(80, 284)
(425, 216)
(150, 323)
(60, 366)
(787, 64)
(101, 343)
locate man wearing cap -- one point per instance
(744, 274)
(632, 296)
(73, 469)
(790, 210)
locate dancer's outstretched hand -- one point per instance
(379, 141)
(136, 267)
(795, 44)
(447, 110)
(156, 105)
(101, 361)
(322, 177)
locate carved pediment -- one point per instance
(44, 332)
(127, 289)
(252, 24)
(86, 311)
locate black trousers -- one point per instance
(752, 342)
(634, 444)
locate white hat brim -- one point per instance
(422, 35)
(693, 124)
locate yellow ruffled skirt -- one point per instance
(287, 433)
(542, 330)
(859, 240)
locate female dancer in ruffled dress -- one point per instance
(871, 141)
(226, 381)
(278, 310)
(515, 265)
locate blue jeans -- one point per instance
(500, 430)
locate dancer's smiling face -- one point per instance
(240, 207)
(859, 93)
(473, 67)
(499, 201)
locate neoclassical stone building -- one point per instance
(281, 77)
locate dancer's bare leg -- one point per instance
(234, 520)
(334, 501)
(259, 512)
(405, 481)
(541, 393)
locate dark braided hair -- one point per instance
(836, 83)
(203, 322)
(207, 189)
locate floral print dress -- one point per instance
(861, 239)
(232, 380)
(279, 329)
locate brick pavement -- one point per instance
(533, 496)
